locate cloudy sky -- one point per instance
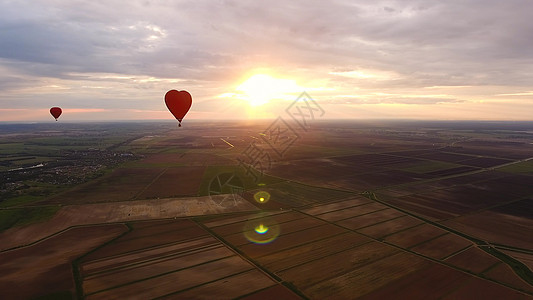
(105, 60)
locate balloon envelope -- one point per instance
(55, 112)
(178, 103)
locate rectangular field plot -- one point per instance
(380, 160)
(121, 185)
(177, 281)
(172, 183)
(454, 201)
(320, 209)
(275, 292)
(436, 280)
(442, 246)
(451, 171)
(485, 162)
(496, 227)
(514, 184)
(151, 266)
(184, 159)
(239, 238)
(364, 279)
(175, 259)
(308, 252)
(412, 203)
(285, 241)
(238, 227)
(389, 227)
(214, 221)
(414, 236)
(473, 259)
(351, 212)
(152, 237)
(292, 194)
(446, 157)
(501, 149)
(232, 287)
(365, 182)
(428, 166)
(314, 272)
(318, 171)
(369, 219)
(46, 267)
(525, 167)
(476, 288)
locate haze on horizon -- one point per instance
(108, 60)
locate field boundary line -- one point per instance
(254, 263)
(149, 261)
(150, 184)
(478, 242)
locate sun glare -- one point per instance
(261, 88)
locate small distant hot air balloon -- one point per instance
(55, 112)
(178, 103)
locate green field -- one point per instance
(248, 180)
(24, 216)
(525, 167)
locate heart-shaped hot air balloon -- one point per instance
(55, 112)
(178, 103)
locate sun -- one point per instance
(259, 89)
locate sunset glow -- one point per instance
(259, 89)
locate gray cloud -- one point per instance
(391, 100)
(425, 40)
(426, 43)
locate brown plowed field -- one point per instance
(233, 287)
(290, 240)
(443, 246)
(215, 221)
(433, 282)
(309, 252)
(187, 159)
(276, 292)
(351, 212)
(473, 259)
(317, 271)
(174, 259)
(414, 236)
(475, 288)
(446, 157)
(496, 228)
(177, 281)
(226, 230)
(121, 185)
(239, 239)
(382, 229)
(367, 278)
(45, 268)
(336, 206)
(174, 182)
(370, 218)
(120, 212)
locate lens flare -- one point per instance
(262, 197)
(261, 231)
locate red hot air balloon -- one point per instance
(56, 112)
(178, 103)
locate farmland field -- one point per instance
(350, 210)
